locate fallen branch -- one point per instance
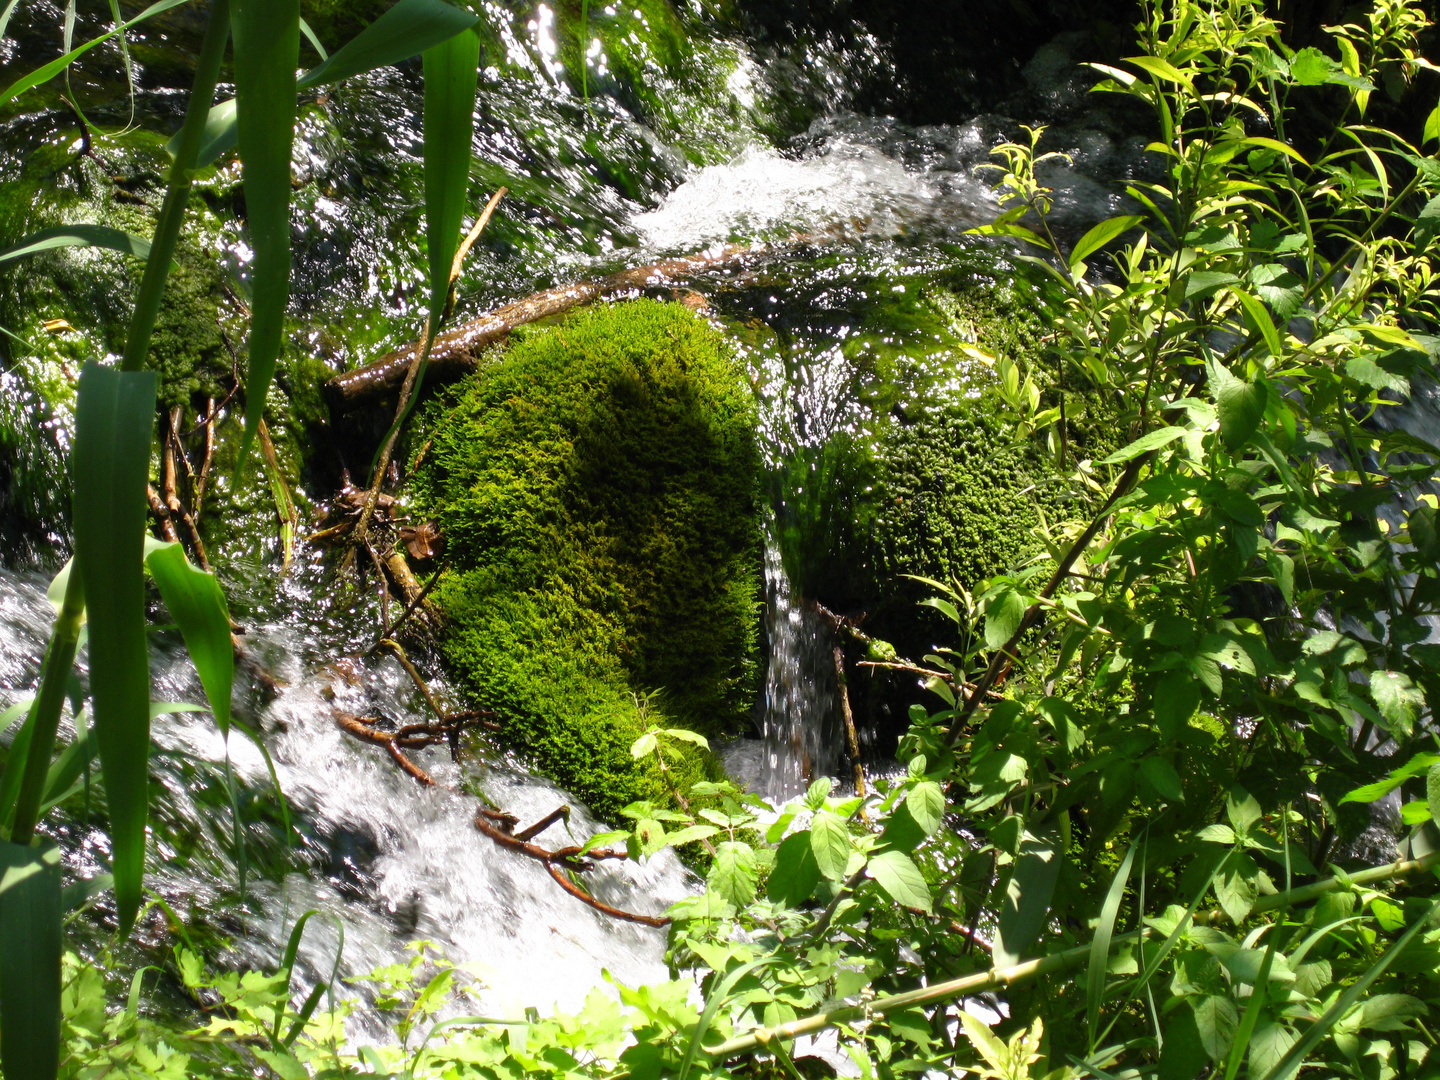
(497, 826)
(456, 352)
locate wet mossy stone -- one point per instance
(598, 488)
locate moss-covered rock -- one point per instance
(597, 489)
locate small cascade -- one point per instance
(801, 738)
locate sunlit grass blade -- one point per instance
(451, 71)
(111, 463)
(409, 28)
(266, 51)
(60, 63)
(30, 961)
(5, 17)
(405, 30)
(197, 604)
(1100, 945)
(314, 41)
(78, 236)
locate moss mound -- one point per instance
(598, 492)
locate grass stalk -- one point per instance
(177, 192)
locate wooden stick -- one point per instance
(852, 739)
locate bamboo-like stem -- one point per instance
(998, 977)
(44, 718)
(177, 192)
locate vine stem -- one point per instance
(998, 978)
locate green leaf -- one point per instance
(1311, 67)
(451, 71)
(78, 236)
(1100, 945)
(1027, 895)
(30, 961)
(796, 873)
(1432, 791)
(266, 50)
(1241, 405)
(1260, 321)
(690, 834)
(111, 464)
(1427, 222)
(732, 874)
(197, 605)
(1217, 1022)
(926, 803)
(830, 841)
(1151, 440)
(408, 29)
(1183, 1055)
(645, 744)
(1237, 886)
(1100, 235)
(1176, 697)
(1003, 613)
(1202, 283)
(1161, 69)
(1162, 777)
(1398, 699)
(898, 875)
(60, 63)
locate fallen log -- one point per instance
(456, 352)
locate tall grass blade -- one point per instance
(78, 236)
(409, 28)
(60, 63)
(267, 50)
(451, 71)
(1100, 945)
(30, 961)
(111, 463)
(314, 41)
(5, 17)
(197, 604)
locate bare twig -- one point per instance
(851, 737)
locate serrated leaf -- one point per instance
(926, 803)
(732, 874)
(1398, 699)
(30, 945)
(897, 874)
(102, 236)
(830, 841)
(111, 462)
(1240, 405)
(1277, 285)
(1311, 67)
(1027, 895)
(644, 745)
(1236, 886)
(793, 879)
(1003, 613)
(690, 834)
(1201, 283)
(266, 36)
(1176, 698)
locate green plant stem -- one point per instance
(998, 978)
(44, 718)
(177, 192)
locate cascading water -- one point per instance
(396, 862)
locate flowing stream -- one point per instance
(878, 206)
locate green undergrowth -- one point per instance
(597, 490)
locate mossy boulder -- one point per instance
(598, 488)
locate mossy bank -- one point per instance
(598, 491)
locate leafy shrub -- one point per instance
(597, 489)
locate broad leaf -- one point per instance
(1027, 896)
(266, 50)
(1398, 699)
(732, 874)
(796, 873)
(111, 462)
(78, 236)
(830, 841)
(1241, 405)
(197, 605)
(1151, 440)
(926, 803)
(1100, 235)
(898, 875)
(30, 945)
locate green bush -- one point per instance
(598, 492)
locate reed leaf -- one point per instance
(266, 50)
(111, 462)
(451, 71)
(197, 604)
(30, 961)
(78, 236)
(403, 31)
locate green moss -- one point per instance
(597, 489)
